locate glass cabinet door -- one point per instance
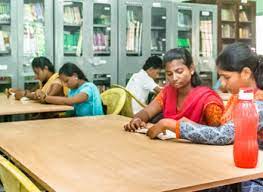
(184, 28)
(73, 28)
(134, 31)
(5, 27)
(34, 28)
(206, 34)
(101, 29)
(158, 31)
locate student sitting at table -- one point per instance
(83, 95)
(238, 66)
(50, 83)
(183, 96)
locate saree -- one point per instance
(193, 106)
(52, 80)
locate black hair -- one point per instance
(154, 62)
(42, 62)
(69, 69)
(239, 55)
(185, 55)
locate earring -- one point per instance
(192, 73)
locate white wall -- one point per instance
(259, 38)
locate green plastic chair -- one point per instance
(114, 99)
(13, 179)
(127, 108)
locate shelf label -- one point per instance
(156, 4)
(205, 13)
(3, 67)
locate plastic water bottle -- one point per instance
(245, 118)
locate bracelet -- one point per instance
(177, 130)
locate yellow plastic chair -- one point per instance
(13, 179)
(127, 108)
(114, 99)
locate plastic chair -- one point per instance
(114, 99)
(127, 108)
(13, 179)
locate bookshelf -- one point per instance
(101, 29)
(72, 28)
(158, 31)
(236, 21)
(5, 28)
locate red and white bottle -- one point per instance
(245, 118)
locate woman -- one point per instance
(50, 83)
(183, 96)
(83, 95)
(238, 66)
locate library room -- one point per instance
(131, 95)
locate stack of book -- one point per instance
(227, 15)
(244, 32)
(72, 15)
(228, 31)
(100, 41)
(34, 29)
(73, 42)
(134, 34)
(4, 41)
(243, 16)
(5, 12)
(206, 40)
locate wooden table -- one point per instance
(95, 154)
(14, 107)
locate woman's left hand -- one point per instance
(155, 130)
(40, 95)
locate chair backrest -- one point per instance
(127, 108)
(114, 99)
(13, 179)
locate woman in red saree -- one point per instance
(183, 97)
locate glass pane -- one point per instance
(5, 28)
(158, 31)
(102, 29)
(73, 28)
(206, 34)
(34, 28)
(184, 29)
(134, 31)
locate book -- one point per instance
(168, 134)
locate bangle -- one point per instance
(177, 130)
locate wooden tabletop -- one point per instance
(96, 154)
(13, 107)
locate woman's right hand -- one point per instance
(134, 124)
